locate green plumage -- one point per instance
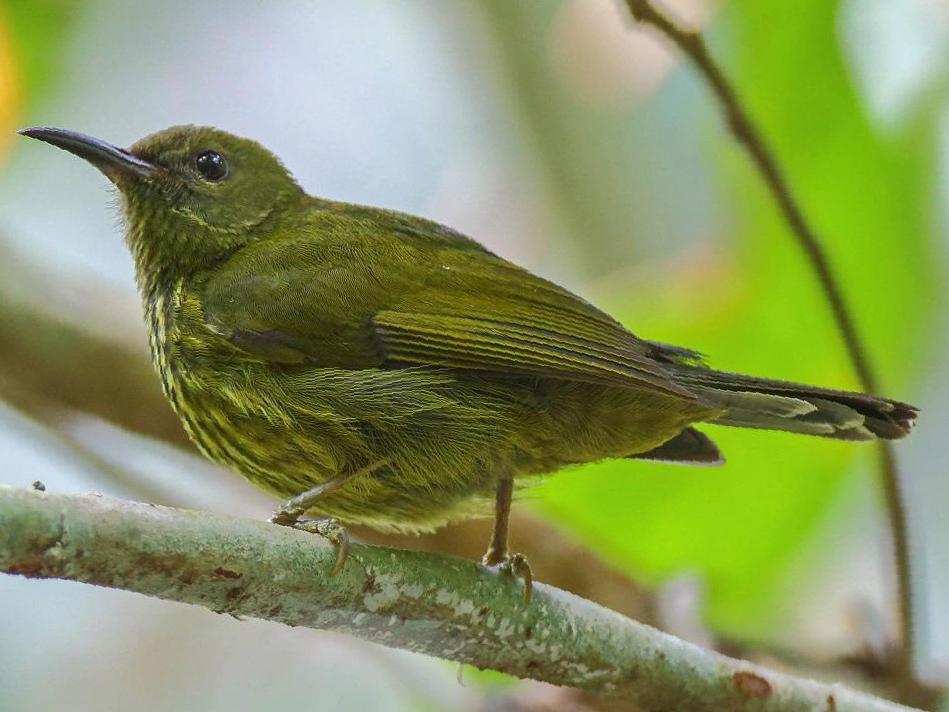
(300, 339)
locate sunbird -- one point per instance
(374, 367)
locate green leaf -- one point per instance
(765, 315)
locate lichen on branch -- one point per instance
(428, 603)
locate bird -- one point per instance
(372, 367)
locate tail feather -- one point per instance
(690, 447)
(751, 402)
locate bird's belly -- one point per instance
(433, 445)
(282, 456)
(426, 462)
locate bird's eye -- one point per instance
(211, 165)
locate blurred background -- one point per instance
(579, 146)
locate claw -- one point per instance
(521, 568)
(328, 528)
(515, 565)
(286, 516)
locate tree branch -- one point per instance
(752, 140)
(432, 604)
(32, 380)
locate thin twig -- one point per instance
(747, 134)
(428, 603)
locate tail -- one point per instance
(751, 402)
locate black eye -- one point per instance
(211, 165)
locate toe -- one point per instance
(329, 529)
(521, 567)
(516, 565)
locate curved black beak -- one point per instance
(104, 156)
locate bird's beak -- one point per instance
(104, 156)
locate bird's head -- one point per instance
(191, 194)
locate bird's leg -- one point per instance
(289, 513)
(497, 549)
(497, 553)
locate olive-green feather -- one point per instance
(446, 305)
(301, 339)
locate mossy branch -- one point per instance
(438, 605)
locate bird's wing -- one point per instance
(388, 298)
(498, 339)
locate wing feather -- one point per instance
(363, 288)
(518, 349)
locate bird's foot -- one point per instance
(515, 565)
(327, 527)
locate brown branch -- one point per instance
(749, 137)
(50, 366)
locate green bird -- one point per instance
(379, 368)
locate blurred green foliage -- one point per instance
(627, 183)
(654, 213)
(866, 195)
(39, 29)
